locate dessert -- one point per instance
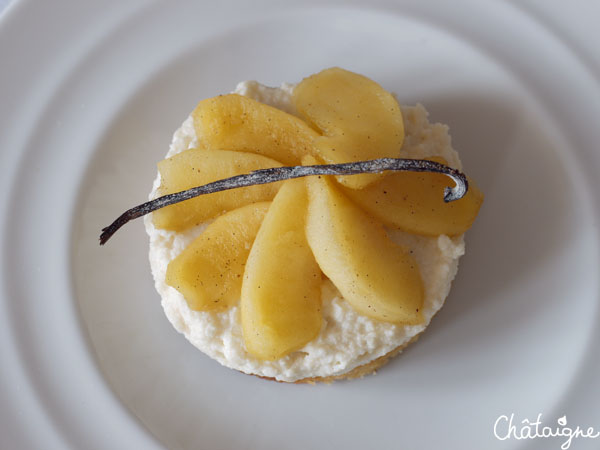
(316, 278)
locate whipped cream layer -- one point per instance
(347, 339)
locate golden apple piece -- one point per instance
(197, 167)
(359, 119)
(235, 122)
(414, 202)
(209, 271)
(379, 278)
(281, 291)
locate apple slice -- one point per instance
(208, 272)
(197, 167)
(281, 291)
(358, 118)
(414, 202)
(235, 122)
(379, 278)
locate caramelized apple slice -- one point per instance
(281, 291)
(196, 167)
(235, 122)
(359, 119)
(414, 202)
(379, 278)
(208, 272)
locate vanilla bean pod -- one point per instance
(264, 176)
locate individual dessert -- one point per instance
(316, 278)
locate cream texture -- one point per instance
(347, 339)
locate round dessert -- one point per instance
(339, 336)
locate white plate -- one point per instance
(91, 94)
